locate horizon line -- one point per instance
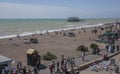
(63, 18)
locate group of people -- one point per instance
(100, 65)
(112, 48)
(20, 69)
(66, 64)
(62, 66)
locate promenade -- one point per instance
(117, 61)
(88, 58)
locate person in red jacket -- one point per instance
(51, 69)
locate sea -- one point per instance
(12, 27)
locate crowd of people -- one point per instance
(111, 48)
(20, 69)
(62, 66)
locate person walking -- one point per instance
(24, 70)
(62, 69)
(53, 63)
(68, 61)
(51, 69)
(29, 71)
(62, 62)
(73, 60)
(58, 64)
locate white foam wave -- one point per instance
(7, 36)
(69, 27)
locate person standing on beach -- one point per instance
(83, 56)
(98, 51)
(62, 56)
(18, 36)
(18, 66)
(107, 48)
(47, 32)
(117, 47)
(53, 63)
(73, 60)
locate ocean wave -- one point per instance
(69, 27)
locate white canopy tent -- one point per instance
(5, 61)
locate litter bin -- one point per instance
(112, 61)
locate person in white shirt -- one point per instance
(83, 56)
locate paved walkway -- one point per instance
(79, 61)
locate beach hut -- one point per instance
(5, 62)
(32, 57)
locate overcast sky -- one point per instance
(59, 8)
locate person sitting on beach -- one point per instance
(105, 57)
(24, 70)
(56, 32)
(26, 41)
(94, 67)
(14, 71)
(10, 39)
(64, 34)
(34, 71)
(14, 43)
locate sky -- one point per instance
(59, 8)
